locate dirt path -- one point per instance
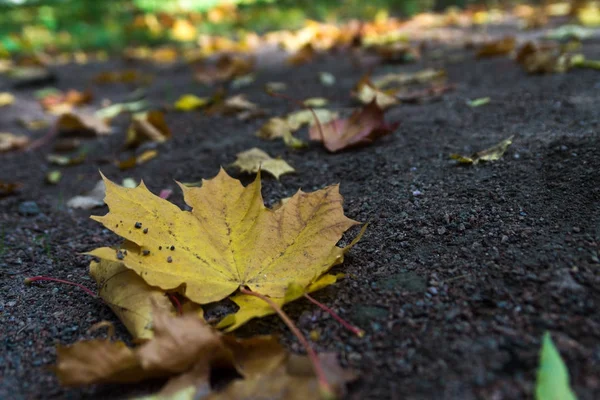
(458, 276)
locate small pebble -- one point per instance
(441, 230)
(145, 230)
(29, 208)
(417, 193)
(169, 259)
(172, 248)
(160, 247)
(576, 229)
(433, 291)
(120, 255)
(146, 252)
(138, 225)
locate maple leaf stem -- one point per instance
(357, 331)
(301, 104)
(47, 278)
(312, 355)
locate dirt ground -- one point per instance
(461, 270)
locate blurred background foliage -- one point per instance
(70, 25)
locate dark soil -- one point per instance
(460, 272)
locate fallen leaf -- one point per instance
(73, 159)
(189, 102)
(315, 102)
(33, 124)
(237, 105)
(409, 78)
(285, 127)
(589, 15)
(305, 55)
(93, 198)
(569, 32)
(140, 159)
(326, 78)
(242, 81)
(366, 93)
(125, 76)
(72, 123)
(53, 177)
(292, 380)
(498, 47)
(275, 87)
(255, 160)
(10, 141)
(491, 154)
(226, 68)
(110, 112)
(362, 127)
(129, 183)
(59, 103)
(478, 102)
(130, 298)
(541, 59)
(552, 375)
(189, 351)
(6, 99)
(149, 126)
(297, 119)
(234, 242)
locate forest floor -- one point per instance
(461, 269)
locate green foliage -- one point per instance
(552, 376)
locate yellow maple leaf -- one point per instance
(229, 239)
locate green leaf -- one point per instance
(552, 376)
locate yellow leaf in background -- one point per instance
(129, 296)
(498, 47)
(53, 177)
(252, 307)
(255, 159)
(137, 160)
(366, 93)
(229, 239)
(558, 9)
(299, 118)
(274, 128)
(165, 55)
(10, 141)
(490, 154)
(183, 30)
(150, 126)
(305, 55)
(478, 102)
(589, 15)
(80, 123)
(315, 102)
(6, 99)
(408, 78)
